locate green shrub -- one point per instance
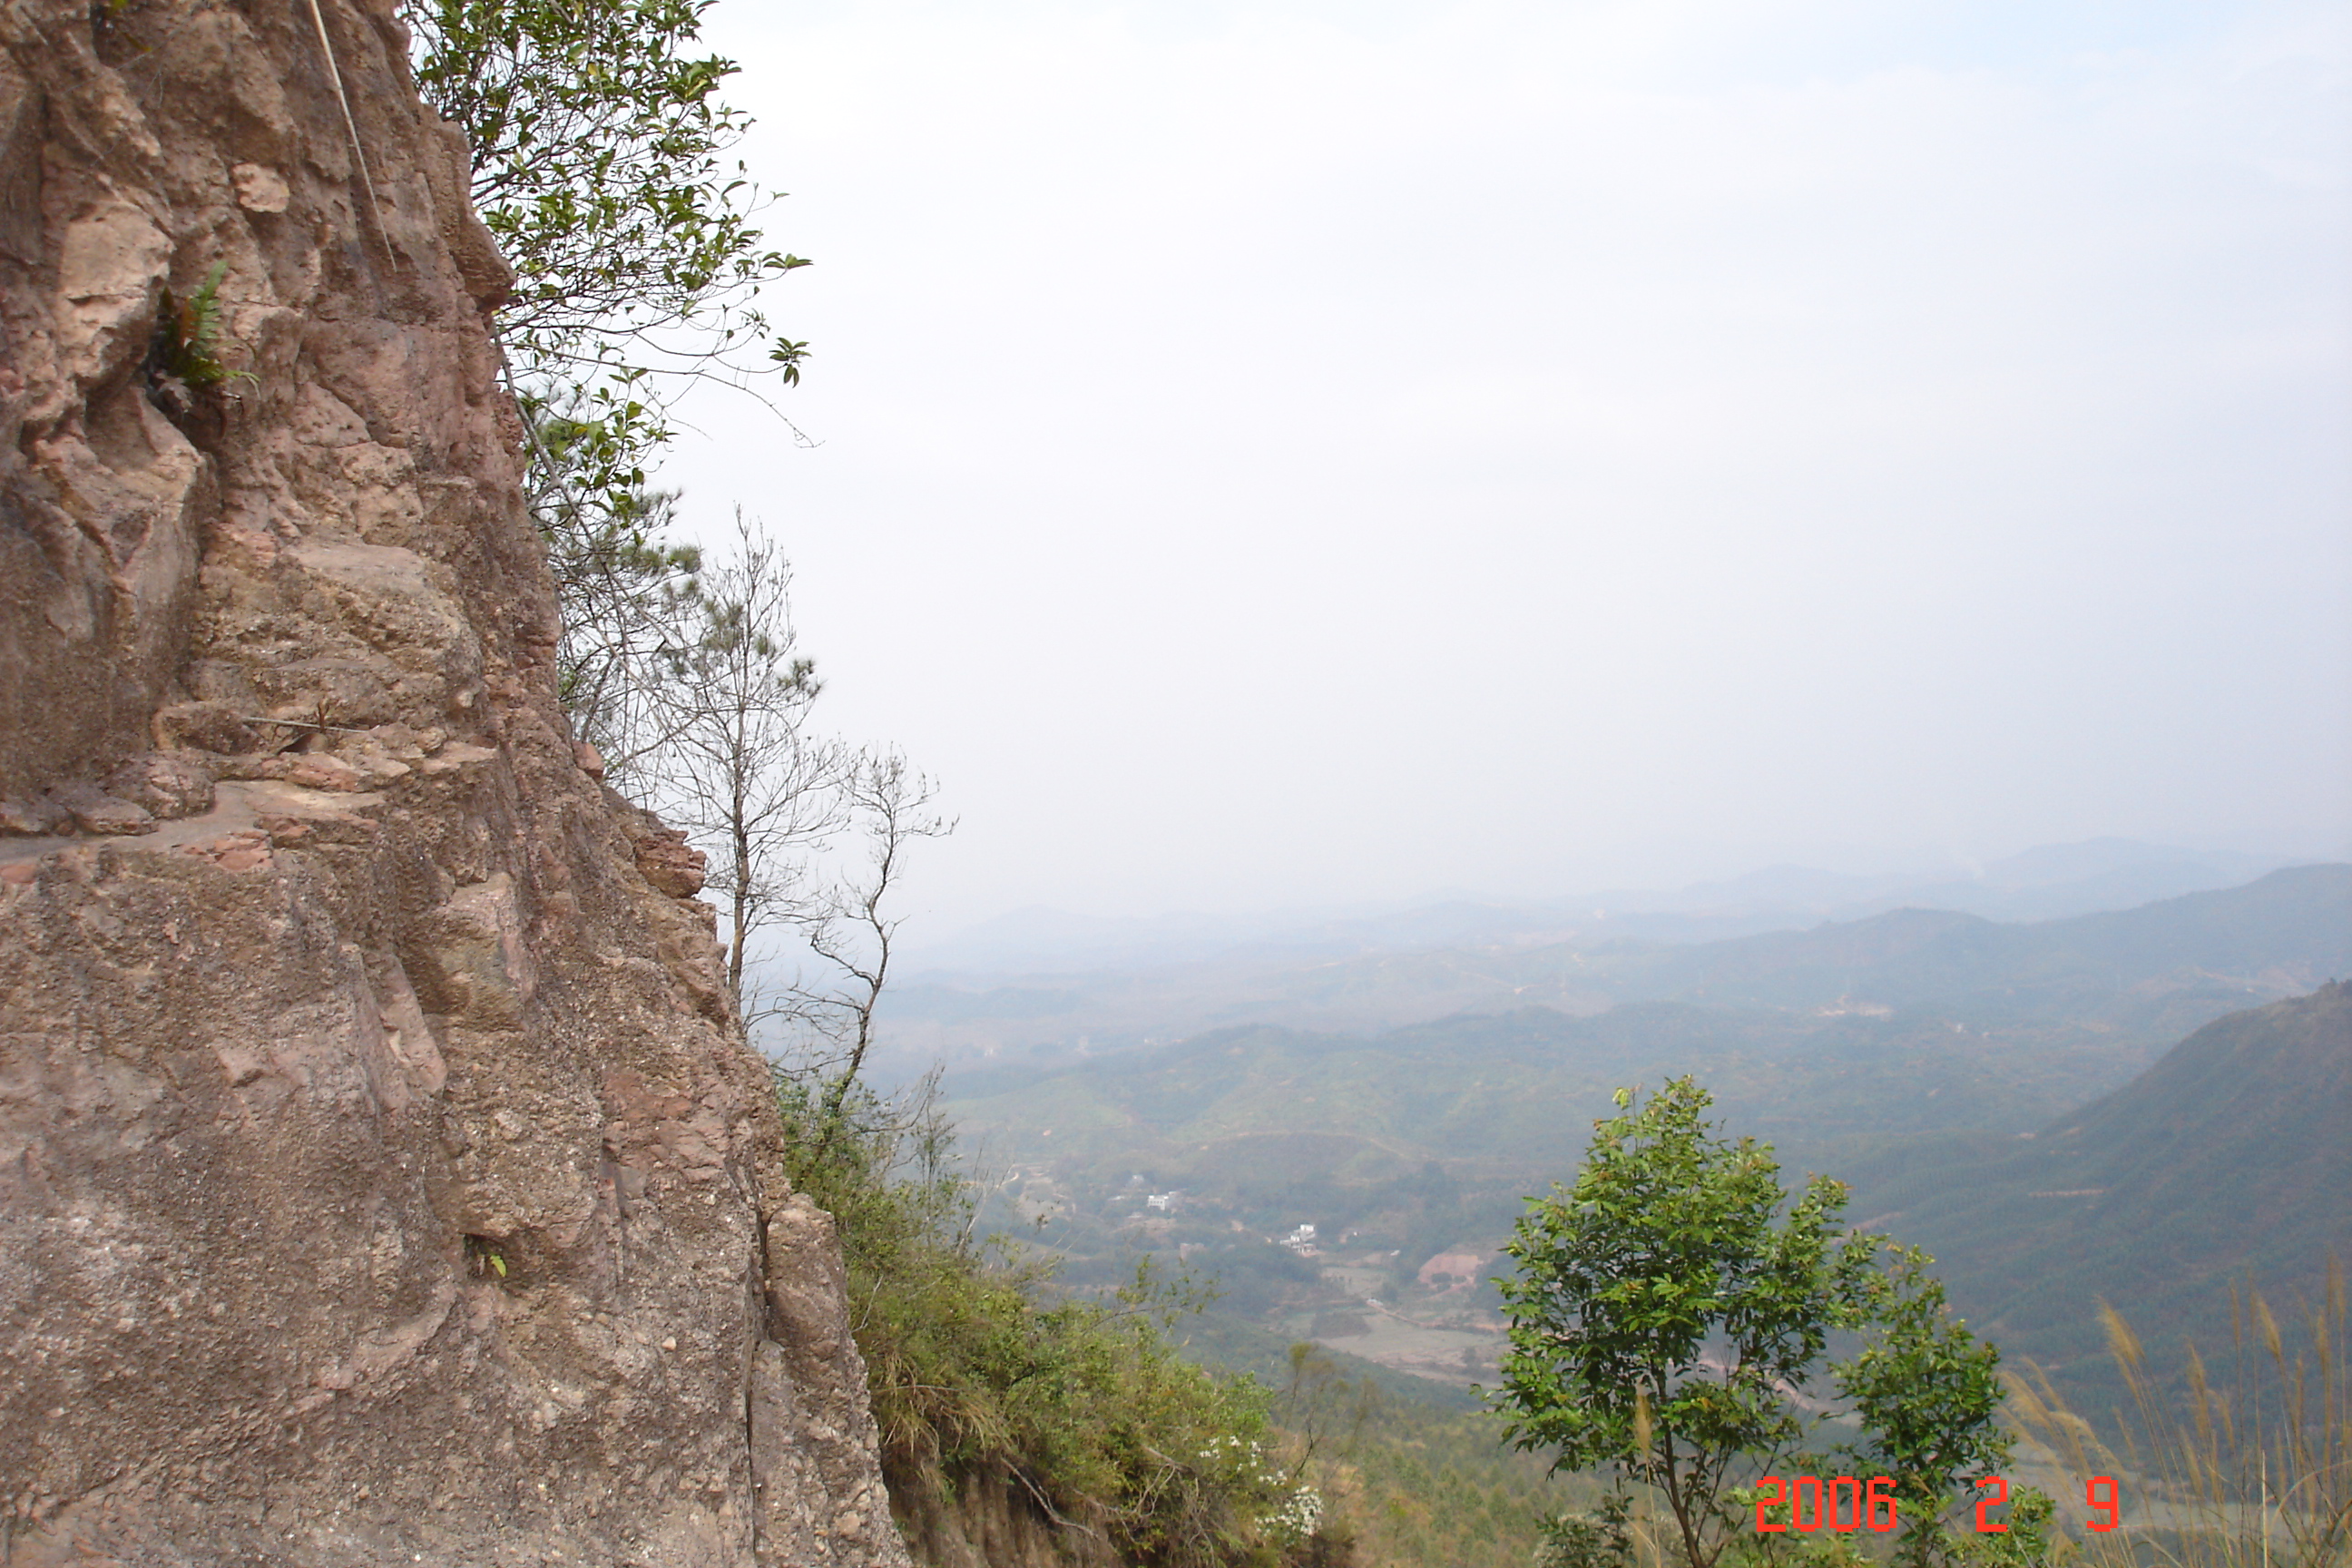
(982, 1371)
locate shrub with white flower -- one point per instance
(1245, 1458)
(1300, 1515)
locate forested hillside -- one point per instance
(1930, 1059)
(2230, 1159)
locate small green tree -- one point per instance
(1925, 1391)
(1602, 1538)
(1673, 1309)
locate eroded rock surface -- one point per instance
(382, 1175)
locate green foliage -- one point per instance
(1926, 1392)
(598, 141)
(1602, 1538)
(484, 1259)
(1670, 1308)
(599, 144)
(191, 332)
(185, 358)
(980, 1370)
(2030, 1541)
(1671, 1248)
(630, 596)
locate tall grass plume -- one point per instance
(2249, 1468)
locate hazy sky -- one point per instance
(1301, 453)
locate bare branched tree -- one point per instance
(733, 761)
(807, 839)
(888, 804)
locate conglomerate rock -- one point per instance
(383, 1173)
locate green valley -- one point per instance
(1351, 1188)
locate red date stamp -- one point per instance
(1844, 1504)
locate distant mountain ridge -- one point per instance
(1909, 1021)
(2291, 926)
(2048, 881)
(2152, 973)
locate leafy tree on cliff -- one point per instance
(600, 164)
(599, 143)
(1673, 1307)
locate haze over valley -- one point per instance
(1038, 985)
(1343, 1126)
(1454, 557)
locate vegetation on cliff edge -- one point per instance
(983, 1374)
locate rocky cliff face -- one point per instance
(382, 1175)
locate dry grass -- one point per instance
(2252, 1469)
